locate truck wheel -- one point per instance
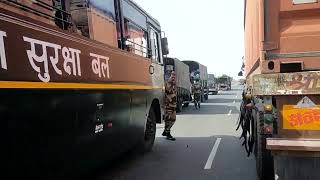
(264, 159)
(149, 133)
(255, 147)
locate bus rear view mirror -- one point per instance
(165, 48)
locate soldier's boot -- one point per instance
(170, 137)
(165, 133)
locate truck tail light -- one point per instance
(268, 107)
(268, 116)
(268, 129)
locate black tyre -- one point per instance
(206, 97)
(255, 134)
(264, 159)
(149, 133)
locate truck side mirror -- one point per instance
(165, 48)
(240, 73)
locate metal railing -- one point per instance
(147, 52)
(61, 17)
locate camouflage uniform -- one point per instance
(170, 103)
(196, 90)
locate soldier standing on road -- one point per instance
(171, 105)
(196, 91)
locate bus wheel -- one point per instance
(150, 132)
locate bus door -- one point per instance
(156, 69)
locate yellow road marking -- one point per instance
(53, 85)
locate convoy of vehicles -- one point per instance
(212, 84)
(242, 81)
(182, 81)
(223, 87)
(81, 82)
(281, 103)
(197, 69)
(225, 83)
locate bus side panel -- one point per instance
(55, 133)
(47, 55)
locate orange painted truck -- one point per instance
(280, 112)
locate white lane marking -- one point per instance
(230, 111)
(236, 96)
(212, 154)
(234, 101)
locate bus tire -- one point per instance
(149, 133)
(264, 159)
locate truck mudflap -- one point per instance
(297, 83)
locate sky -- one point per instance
(208, 31)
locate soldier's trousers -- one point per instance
(170, 119)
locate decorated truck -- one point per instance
(280, 112)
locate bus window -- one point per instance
(96, 19)
(103, 26)
(60, 13)
(154, 43)
(136, 39)
(47, 11)
(133, 14)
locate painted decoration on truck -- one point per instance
(287, 83)
(297, 117)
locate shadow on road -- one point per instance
(209, 109)
(226, 93)
(221, 100)
(183, 159)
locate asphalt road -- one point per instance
(207, 147)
